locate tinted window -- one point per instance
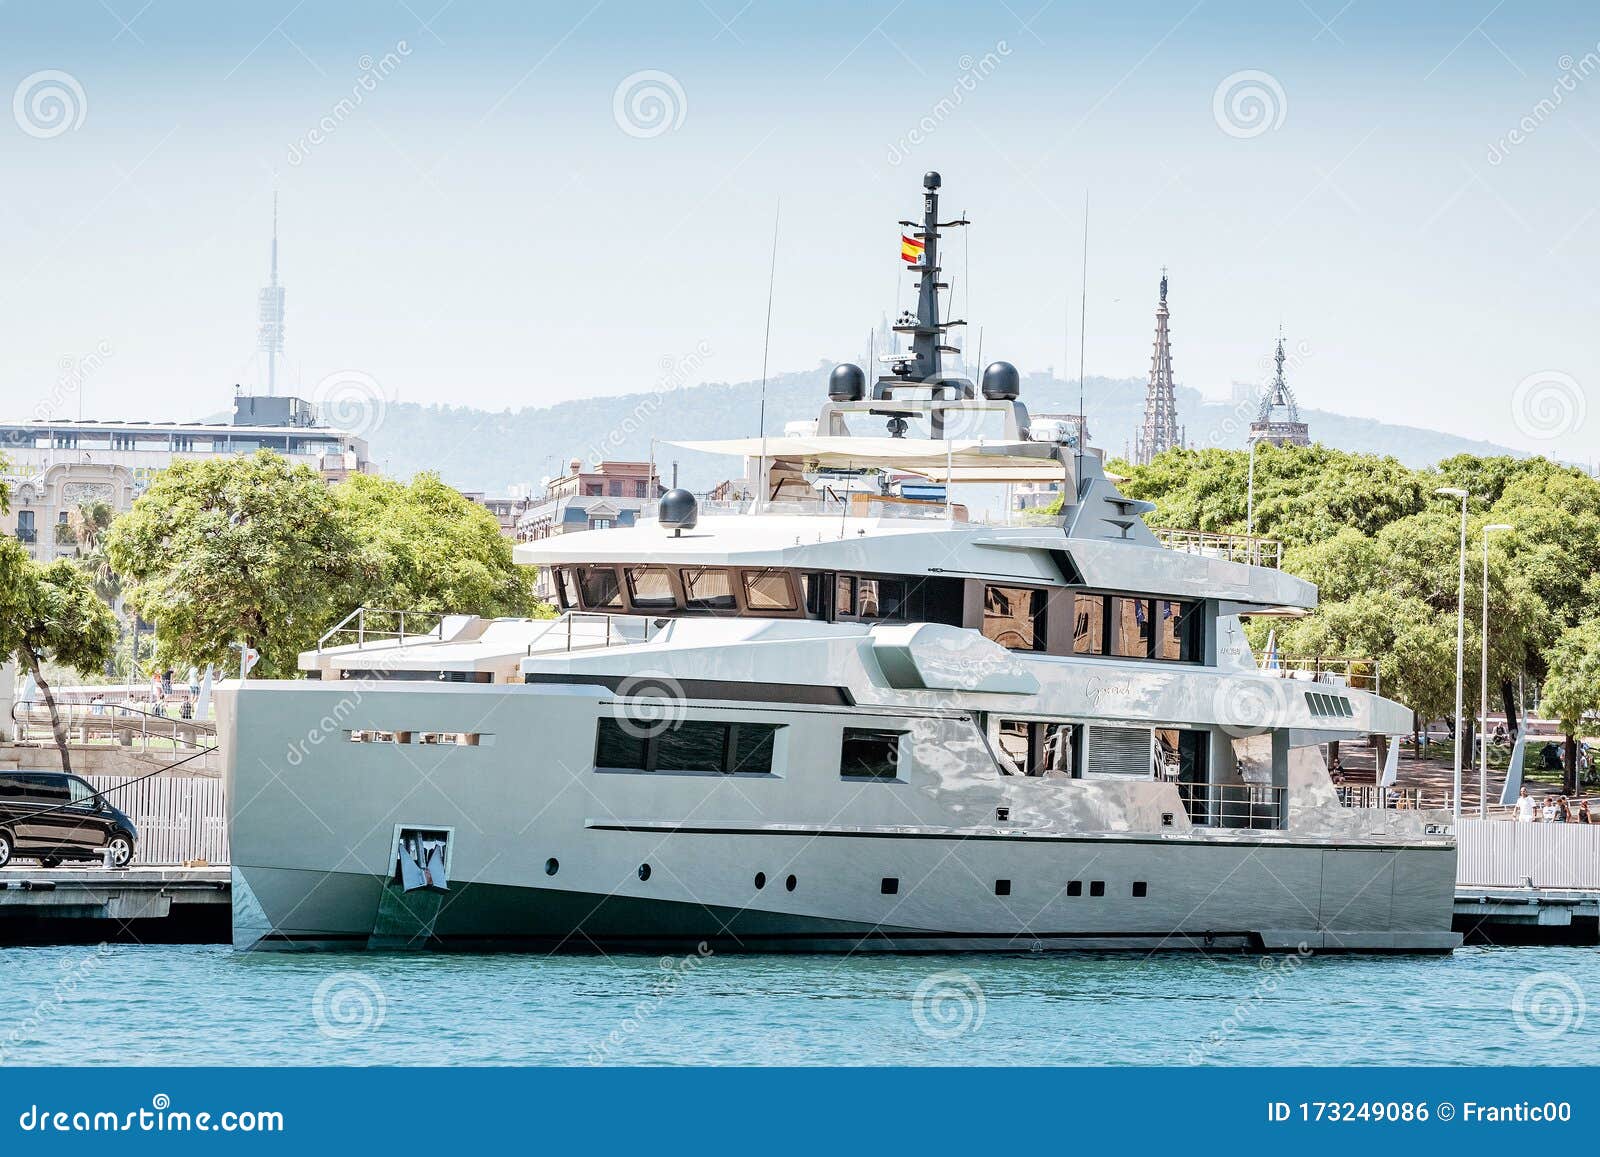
(1089, 624)
(600, 588)
(692, 745)
(708, 587)
(844, 595)
(1177, 630)
(1014, 617)
(651, 586)
(49, 789)
(870, 754)
(620, 747)
(768, 590)
(81, 792)
(881, 598)
(687, 746)
(569, 589)
(752, 747)
(1133, 628)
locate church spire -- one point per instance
(1160, 431)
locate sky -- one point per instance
(507, 205)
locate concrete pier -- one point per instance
(74, 905)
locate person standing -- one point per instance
(1524, 807)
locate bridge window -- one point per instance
(844, 595)
(1089, 624)
(768, 590)
(1128, 627)
(650, 587)
(1014, 617)
(600, 588)
(708, 589)
(1177, 631)
(881, 598)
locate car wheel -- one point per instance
(5, 848)
(121, 850)
(49, 861)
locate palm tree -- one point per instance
(88, 525)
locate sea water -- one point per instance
(182, 1005)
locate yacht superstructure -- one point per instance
(833, 718)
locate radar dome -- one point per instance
(847, 383)
(678, 511)
(1001, 382)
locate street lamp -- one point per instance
(1461, 641)
(1250, 502)
(1483, 700)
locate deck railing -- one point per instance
(592, 630)
(1234, 805)
(1245, 548)
(1336, 670)
(355, 623)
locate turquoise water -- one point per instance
(208, 1006)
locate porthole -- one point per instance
(790, 883)
(890, 886)
(1075, 887)
(1002, 887)
(552, 866)
(1097, 887)
(1141, 888)
(761, 880)
(644, 871)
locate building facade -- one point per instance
(53, 467)
(604, 495)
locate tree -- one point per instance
(228, 550)
(52, 612)
(87, 526)
(425, 547)
(1572, 688)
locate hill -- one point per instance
(489, 451)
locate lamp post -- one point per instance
(1483, 691)
(1250, 501)
(1461, 643)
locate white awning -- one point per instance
(940, 460)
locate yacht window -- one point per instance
(651, 587)
(815, 587)
(708, 588)
(1133, 631)
(1040, 748)
(599, 587)
(691, 745)
(768, 590)
(1180, 758)
(1014, 617)
(881, 598)
(567, 582)
(1177, 631)
(1089, 624)
(844, 595)
(868, 753)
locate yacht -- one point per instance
(833, 709)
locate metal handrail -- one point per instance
(1234, 805)
(1246, 548)
(566, 621)
(1355, 671)
(361, 631)
(116, 722)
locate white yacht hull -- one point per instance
(315, 822)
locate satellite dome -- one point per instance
(847, 383)
(1001, 382)
(678, 511)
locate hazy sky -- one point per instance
(492, 220)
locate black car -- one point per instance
(51, 816)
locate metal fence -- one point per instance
(1500, 854)
(179, 817)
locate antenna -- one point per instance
(1083, 321)
(269, 313)
(766, 343)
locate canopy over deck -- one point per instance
(939, 460)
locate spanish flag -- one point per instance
(910, 250)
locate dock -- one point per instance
(148, 905)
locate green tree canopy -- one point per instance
(52, 613)
(424, 546)
(232, 550)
